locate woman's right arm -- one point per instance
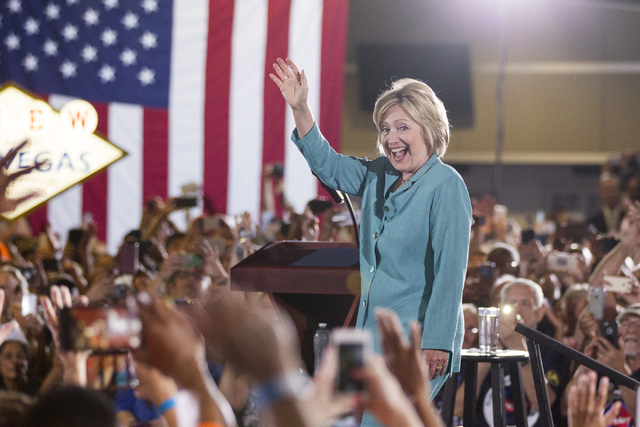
(338, 172)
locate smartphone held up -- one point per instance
(100, 329)
(354, 347)
(596, 302)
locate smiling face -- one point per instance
(13, 361)
(629, 335)
(403, 142)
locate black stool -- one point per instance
(470, 360)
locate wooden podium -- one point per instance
(315, 282)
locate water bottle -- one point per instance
(320, 341)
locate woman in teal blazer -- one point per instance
(415, 217)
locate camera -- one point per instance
(562, 261)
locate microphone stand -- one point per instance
(339, 197)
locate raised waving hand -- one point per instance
(294, 88)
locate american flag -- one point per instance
(183, 86)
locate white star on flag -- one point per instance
(50, 47)
(149, 40)
(30, 62)
(52, 11)
(12, 41)
(89, 53)
(149, 5)
(68, 69)
(110, 4)
(130, 21)
(70, 32)
(146, 76)
(91, 17)
(14, 6)
(107, 73)
(128, 57)
(71, 2)
(31, 26)
(109, 37)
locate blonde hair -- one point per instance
(420, 102)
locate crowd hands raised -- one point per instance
(548, 273)
(207, 356)
(211, 356)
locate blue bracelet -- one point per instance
(165, 406)
(293, 385)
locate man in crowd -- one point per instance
(608, 218)
(626, 358)
(522, 302)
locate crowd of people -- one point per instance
(212, 356)
(154, 335)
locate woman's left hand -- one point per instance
(436, 362)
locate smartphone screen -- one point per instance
(129, 255)
(101, 329)
(318, 206)
(75, 234)
(609, 330)
(487, 269)
(192, 261)
(29, 304)
(221, 244)
(353, 348)
(51, 264)
(209, 224)
(527, 235)
(186, 202)
(596, 303)
(562, 261)
(350, 356)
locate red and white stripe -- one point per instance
(226, 119)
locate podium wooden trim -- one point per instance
(326, 291)
(271, 269)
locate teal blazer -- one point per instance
(414, 242)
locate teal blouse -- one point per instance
(414, 242)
